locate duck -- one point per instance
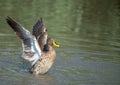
(37, 46)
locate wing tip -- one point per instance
(8, 18)
(40, 19)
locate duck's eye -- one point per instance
(46, 30)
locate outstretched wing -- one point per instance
(40, 32)
(31, 50)
(39, 28)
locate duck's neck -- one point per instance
(46, 48)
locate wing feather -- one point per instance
(31, 49)
(40, 32)
(39, 28)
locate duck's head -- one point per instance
(50, 42)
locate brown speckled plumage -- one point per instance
(37, 48)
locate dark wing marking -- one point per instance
(39, 28)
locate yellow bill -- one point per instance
(55, 44)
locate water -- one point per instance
(88, 34)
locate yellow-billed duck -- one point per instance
(37, 47)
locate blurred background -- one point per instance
(88, 32)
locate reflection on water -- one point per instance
(88, 33)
